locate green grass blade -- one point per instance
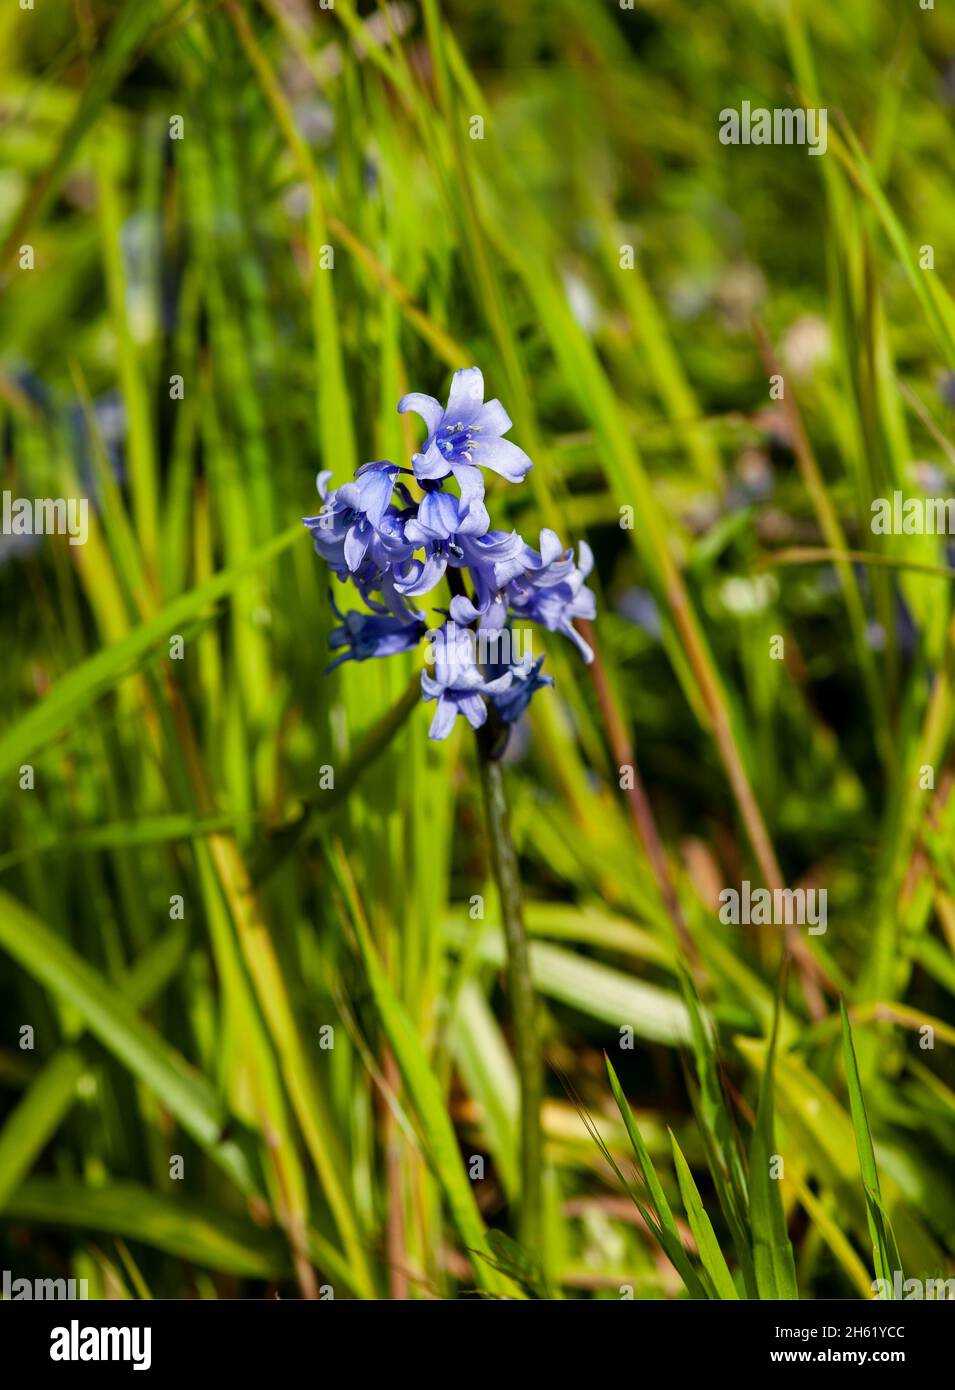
(885, 1250)
(665, 1231)
(180, 1226)
(109, 1017)
(657, 1195)
(711, 1256)
(772, 1252)
(37, 1116)
(440, 1143)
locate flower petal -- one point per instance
(585, 558)
(470, 481)
(463, 611)
(499, 684)
(423, 579)
(430, 465)
(493, 419)
(551, 547)
(427, 407)
(501, 456)
(356, 544)
(496, 615)
(443, 721)
(474, 710)
(570, 631)
(466, 397)
(584, 605)
(475, 520)
(375, 488)
(439, 514)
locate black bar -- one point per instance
(292, 1337)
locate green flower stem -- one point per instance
(521, 990)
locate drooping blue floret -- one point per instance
(492, 560)
(365, 635)
(550, 589)
(358, 521)
(458, 682)
(525, 680)
(442, 528)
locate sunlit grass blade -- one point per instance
(885, 1250)
(31, 1123)
(657, 1196)
(772, 1250)
(657, 1215)
(711, 1256)
(182, 1227)
(718, 1134)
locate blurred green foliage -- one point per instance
(181, 171)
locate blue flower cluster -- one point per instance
(396, 548)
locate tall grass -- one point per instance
(248, 912)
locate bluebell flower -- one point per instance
(366, 635)
(526, 679)
(551, 589)
(442, 526)
(465, 435)
(357, 517)
(379, 589)
(394, 546)
(441, 515)
(492, 561)
(457, 682)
